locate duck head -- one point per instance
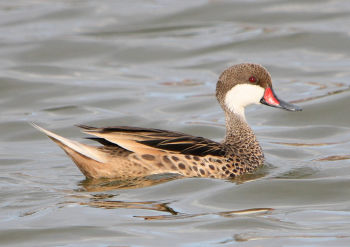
(245, 84)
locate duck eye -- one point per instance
(252, 79)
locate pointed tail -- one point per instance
(88, 158)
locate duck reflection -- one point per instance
(98, 201)
(234, 213)
(99, 185)
(147, 205)
(104, 200)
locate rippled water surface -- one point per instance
(155, 64)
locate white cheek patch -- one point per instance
(243, 95)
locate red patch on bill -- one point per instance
(270, 98)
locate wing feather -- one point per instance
(144, 140)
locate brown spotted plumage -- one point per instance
(129, 152)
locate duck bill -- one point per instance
(271, 99)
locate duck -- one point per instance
(129, 152)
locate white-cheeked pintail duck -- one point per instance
(129, 152)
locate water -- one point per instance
(155, 64)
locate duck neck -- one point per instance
(239, 134)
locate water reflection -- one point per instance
(233, 213)
(146, 205)
(104, 200)
(95, 185)
(258, 174)
(99, 201)
(308, 144)
(335, 158)
(254, 236)
(344, 88)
